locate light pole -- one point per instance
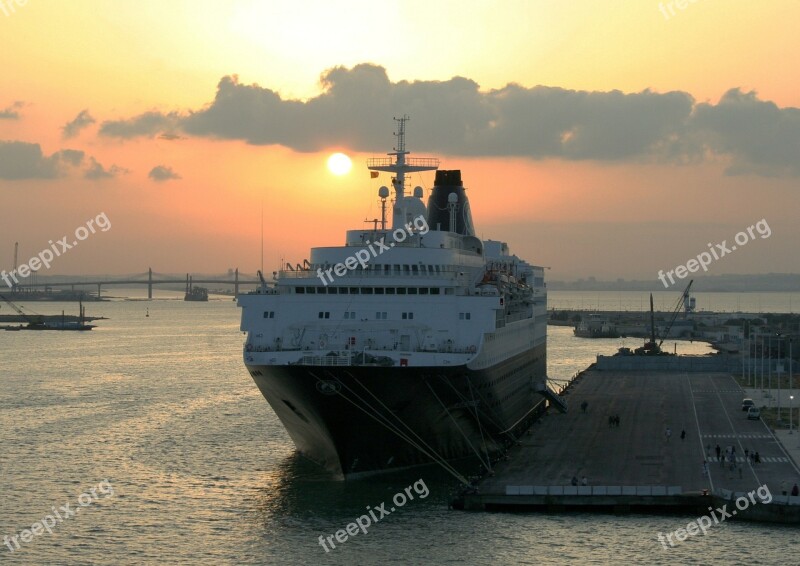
(791, 404)
(779, 370)
(769, 367)
(762, 363)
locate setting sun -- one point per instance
(339, 164)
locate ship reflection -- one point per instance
(299, 490)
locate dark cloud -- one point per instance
(455, 117)
(96, 171)
(82, 120)
(22, 160)
(761, 138)
(161, 173)
(11, 112)
(147, 124)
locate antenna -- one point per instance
(262, 235)
(16, 250)
(401, 134)
(399, 166)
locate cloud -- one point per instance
(762, 138)
(147, 124)
(22, 160)
(455, 117)
(11, 112)
(161, 173)
(82, 120)
(96, 171)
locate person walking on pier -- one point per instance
(719, 451)
(683, 434)
(705, 469)
(795, 491)
(584, 406)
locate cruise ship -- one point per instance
(412, 343)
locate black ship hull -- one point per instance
(357, 420)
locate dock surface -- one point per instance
(700, 410)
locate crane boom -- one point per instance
(676, 310)
(19, 311)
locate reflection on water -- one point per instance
(203, 472)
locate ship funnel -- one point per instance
(449, 183)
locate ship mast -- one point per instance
(401, 165)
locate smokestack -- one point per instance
(439, 217)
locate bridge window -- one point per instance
(324, 314)
(464, 316)
(379, 290)
(408, 316)
(380, 315)
(300, 290)
(390, 290)
(349, 315)
(269, 314)
(423, 290)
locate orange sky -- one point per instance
(595, 208)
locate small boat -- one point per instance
(194, 293)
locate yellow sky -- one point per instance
(119, 59)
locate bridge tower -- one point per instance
(150, 283)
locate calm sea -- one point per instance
(200, 471)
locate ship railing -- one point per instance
(259, 348)
(350, 275)
(335, 360)
(410, 161)
(438, 350)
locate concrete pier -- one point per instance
(670, 424)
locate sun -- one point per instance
(339, 164)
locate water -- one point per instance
(639, 301)
(202, 471)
